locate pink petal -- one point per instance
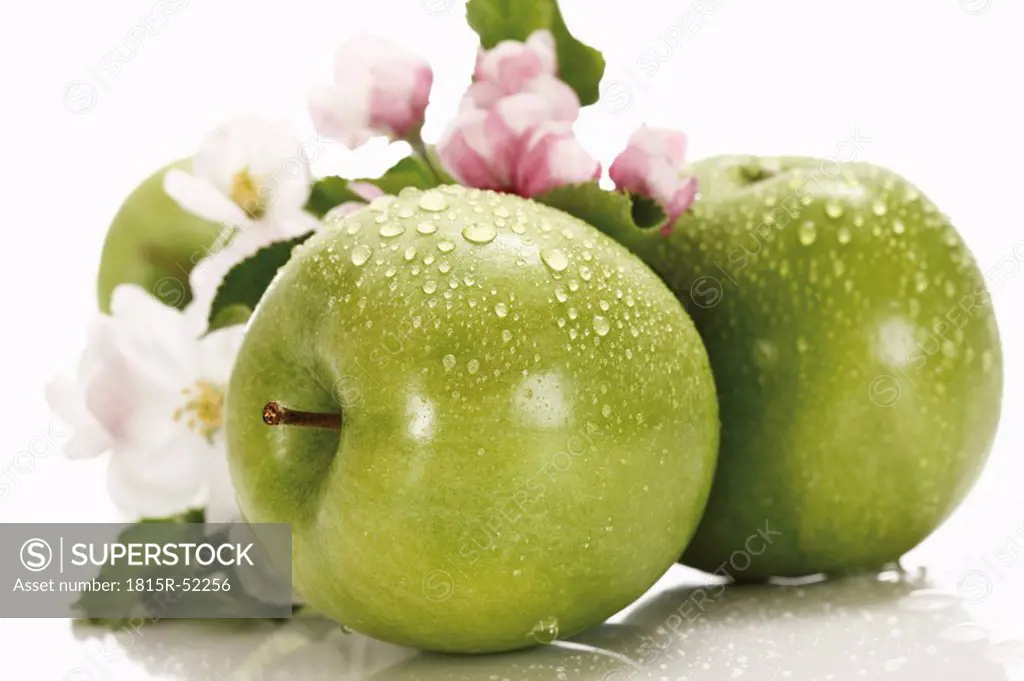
(465, 152)
(562, 99)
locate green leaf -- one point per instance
(579, 65)
(497, 20)
(247, 281)
(411, 171)
(329, 192)
(611, 212)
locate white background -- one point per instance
(934, 84)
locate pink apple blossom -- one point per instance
(651, 166)
(512, 67)
(519, 145)
(379, 88)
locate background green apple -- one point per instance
(529, 425)
(152, 242)
(856, 358)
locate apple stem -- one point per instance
(276, 415)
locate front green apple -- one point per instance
(154, 243)
(856, 357)
(528, 425)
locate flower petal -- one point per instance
(200, 197)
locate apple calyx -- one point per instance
(276, 415)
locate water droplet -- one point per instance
(601, 325)
(545, 631)
(807, 233)
(502, 212)
(839, 267)
(473, 366)
(585, 273)
(391, 229)
(948, 348)
(480, 233)
(448, 362)
(506, 335)
(445, 246)
(833, 210)
(444, 267)
(920, 281)
(561, 295)
(898, 227)
(360, 254)
(554, 258)
(501, 310)
(949, 287)
(354, 226)
(606, 411)
(879, 208)
(429, 286)
(433, 201)
(426, 228)
(410, 253)
(801, 345)
(844, 235)
(573, 314)
(381, 203)
(390, 272)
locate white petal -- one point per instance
(199, 197)
(89, 439)
(164, 478)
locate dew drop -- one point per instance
(473, 366)
(506, 335)
(433, 201)
(561, 295)
(898, 227)
(606, 411)
(429, 286)
(807, 233)
(480, 233)
(410, 253)
(449, 362)
(554, 258)
(445, 246)
(426, 228)
(920, 282)
(391, 229)
(801, 345)
(501, 310)
(354, 226)
(879, 208)
(833, 210)
(444, 267)
(601, 325)
(545, 631)
(844, 235)
(360, 254)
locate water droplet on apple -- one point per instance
(473, 366)
(606, 411)
(426, 228)
(390, 272)
(429, 286)
(360, 254)
(601, 325)
(433, 201)
(506, 335)
(920, 282)
(445, 246)
(480, 233)
(502, 212)
(501, 310)
(807, 233)
(391, 229)
(879, 208)
(444, 267)
(844, 235)
(561, 295)
(898, 227)
(410, 253)
(833, 210)
(381, 203)
(554, 258)
(801, 345)
(573, 313)
(585, 273)
(354, 226)
(449, 362)
(545, 631)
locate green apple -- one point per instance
(518, 425)
(154, 243)
(856, 357)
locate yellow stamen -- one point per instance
(203, 410)
(245, 191)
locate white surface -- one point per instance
(933, 84)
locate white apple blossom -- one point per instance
(248, 171)
(149, 390)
